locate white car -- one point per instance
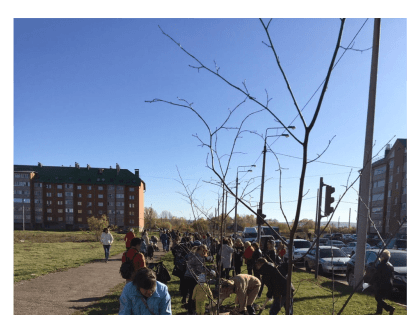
(350, 248)
(331, 259)
(249, 235)
(300, 248)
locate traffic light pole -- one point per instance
(318, 223)
(260, 208)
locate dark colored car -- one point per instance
(398, 260)
(394, 243)
(337, 236)
(331, 259)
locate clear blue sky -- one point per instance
(80, 87)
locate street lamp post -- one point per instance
(236, 199)
(260, 208)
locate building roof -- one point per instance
(403, 141)
(82, 175)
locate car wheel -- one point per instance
(350, 278)
(308, 269)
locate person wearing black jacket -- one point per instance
(383, 282)
(275, 280)
(271, 253)
(255, 255)
(237, 255)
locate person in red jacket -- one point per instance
(135, 256)
(128, 237)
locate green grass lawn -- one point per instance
(38, 253)
(312, 297)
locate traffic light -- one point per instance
(259, 219)
(328, 200)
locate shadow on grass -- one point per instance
(108, 304)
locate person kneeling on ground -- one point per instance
(134, 255)
(145, 296)
(275, 280)
(246, 288)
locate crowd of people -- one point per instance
(200, 259)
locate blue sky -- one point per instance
(80, 87)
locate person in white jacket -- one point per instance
(106, 240)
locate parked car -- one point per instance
(337, 236)
(398, 260)
(347, 237)
(265, 230)
(372, 240)
(331, 259)
(327, 236)
(335, 243)
(300, 248)
(394, 243)
(322, 241)
(350, 248)
(249, 235)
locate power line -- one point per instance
(296, 157)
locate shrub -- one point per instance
(96, 225)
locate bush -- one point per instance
(96, 225)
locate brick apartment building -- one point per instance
(58, 197)
(388, 197)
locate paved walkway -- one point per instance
(65, 292)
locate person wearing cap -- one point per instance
(246, 288)
(201, 294)
(383, 279)
(128, 237)
(145, 296)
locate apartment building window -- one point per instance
(48, 186)
(60, 210)
(79, 219)
(100, 204)
(38, 218)
(131, 189)
(377, 197)
(405, 190)
(389, 192)
(58, 202)
(110, 203)
(79, 195)
(89, 187)
(100, 196)
(59, 186)
(110, 196)
(26, 200)
(111, 187)
(38, 185)
(100, 212)
(69, 194)
(37, 200)
(79, 211)
(69, 210)
(26, 192)
(89, 195)
(111, 211)
(100, 188)
(59, 195)
(17, 175)
(37, 193)
(379, 170)
(22, 184)
(120, 203)
(131, 213)
(131, 197)
(49, 210)
(396, 185)
(120, 195)
(391, 164)
(131, 221)
(49, 202)
(89, 204)
(79, 203)
(69, 202)
(60, 218)
(131, 205)
(120, 187)
(69, 185)
(398, 169)
(89, 211)
(49, 218)
(25, 175)
(38, 209)
(396, 201)
(79, 187)
(18, 200)
(120, 211)
(390, 178)
(404, 207)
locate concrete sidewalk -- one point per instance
(65, 292)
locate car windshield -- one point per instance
(398, 259)
(334, 252)
(249, 235)
(303, 244)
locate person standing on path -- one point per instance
(106, 240)
(383, 282)
(145, 296)
(134, 255)
(163, 239)
(128, 237)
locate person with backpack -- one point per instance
(132, 260)
(145, 295)
(128, 237)
(106, 240)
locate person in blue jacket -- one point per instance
(145, 295)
